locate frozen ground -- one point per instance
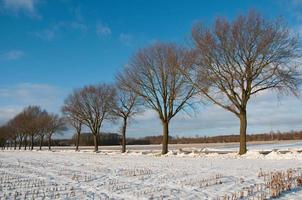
(65, 174)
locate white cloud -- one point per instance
(126, 39)
(78, 26)
(77, 13)
(296, 2)
(48, 33)
(299, 30)
(15, 97)
(21, 6)
(146, 115)
(265, 113)
(8, 112)
(79, 21)
(28, 92)
(53, 31)
(16, 5)
(12, 55)
(102, 30)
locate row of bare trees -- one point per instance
(92, 105)
(227, 64)
(30, 127)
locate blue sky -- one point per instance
(50, 47)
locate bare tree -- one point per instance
(4, 136)
(18, 124)
(33, 123)
(238, 59)
(13, 134)
(77, 125)
(54, 124)
(153, 75)
(27, 124)
(94, 104)
(43, 123)
(127, 105)
(71, 112)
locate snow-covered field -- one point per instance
(143, 175)
(265, 145)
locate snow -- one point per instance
(190, 174)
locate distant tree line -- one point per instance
(116, 139)
(228, 63)
(105, 139)
(272, 136)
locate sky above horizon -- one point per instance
(48, 48)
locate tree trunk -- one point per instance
(165, 137)
(78, 141)
(124, 135)
(15, 144)
(95, 140)
(25, 142)
(41, 142)
(20, 144)
(243, 126)
(49, 143)
(32, 143)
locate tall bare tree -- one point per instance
(13, 134)
(238, 59)
(43, 123)
(127, 105)
(94, 104)
(54, 124)
(18, 124)
(77, 125)
(4, 136)
(27, 123)
(71, 111)
(35, 123)
(153, 75)
(22, 124)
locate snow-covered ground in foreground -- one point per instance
(137, 175)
